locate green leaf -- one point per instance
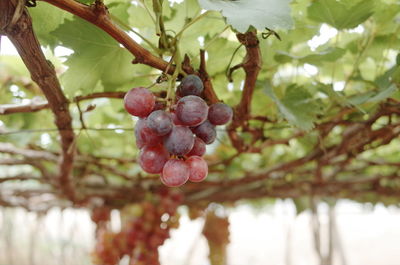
(242, 14)
(386, 87)
(97, 58)
(297, 106)
(334, 95)
(339, 14)
(383, 94)
(46, 18)
(327, 55)
(302, 204)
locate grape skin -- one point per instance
(206, 132)
(175, 119)
(199, 148)
(220, 113)
(145, 135)
(139, 101)
(179, 141)
(153, 158)
(175, 173)
(191, 85)
(160, 122)
(140, 143)
(192, 110)
(198, 168)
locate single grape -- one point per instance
(220, 113)
(191, 85)
(198, 168)
(206, 132)
(139, 101)
(192, 110)
(175, 173)
(140, 143)
(160, 122)
(153, 158)
(199, 148)
(179, 141)
(175, 119)
(145, 135)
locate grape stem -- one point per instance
(172, 80)
(178, 35)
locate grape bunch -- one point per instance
(173, 141)
(143, 231)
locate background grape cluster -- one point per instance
(145, 227)
(173, 141)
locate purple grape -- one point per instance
(160, 122)
(199, 148)
(179, 141)
(198, 168)
(191, 85)
(145, 135)
(220, 114)
(139, 101)
(206, 132)
(192, 110)
(153, 158)
(175, 119)
(175, 173)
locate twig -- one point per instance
(20, 108)
(209, 92)
(251, 65)
(27, 153)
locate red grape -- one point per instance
(139, 101)
(198, 168)
(206, 132)
(192, 110)
(153, 158)
(179, 141)
(190, 85)
(175, 119)
(160, 122)
(145, 135)
(199, 148)
(220, 113)
(175, 173)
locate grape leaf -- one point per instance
(339, 14)
(242, 14)
(97, 57)
(327, 55)
(297, 106)
(45, 19)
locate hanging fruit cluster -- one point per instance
(145, 227)
(173, 141)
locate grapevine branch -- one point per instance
(357, 137)
(23, 108)
(16, 24)
(8, 148)
(209, 92)
(251, 65)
